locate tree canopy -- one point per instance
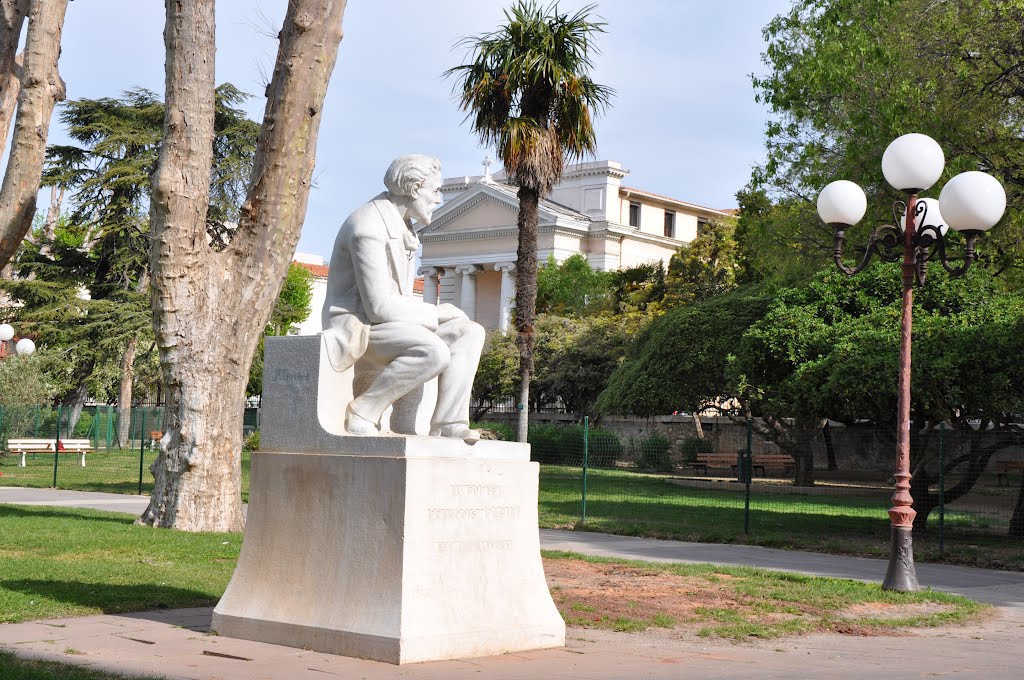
(846, 77)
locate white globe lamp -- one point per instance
(913, 162)
(973, 201)
(25, 347)
(6, 332)
(842, 202)
(932, 217)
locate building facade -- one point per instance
(469, 249)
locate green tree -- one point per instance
(27, 380)
(640, 288)
(705, 267)
(681, 361)
(846, 77)
(292, 307)
(830, 349)
(578, 355)
(497, 376)
(98, 253)
(572, 287)
(527, 92)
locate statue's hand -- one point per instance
(447, 312)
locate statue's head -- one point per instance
(416, 180)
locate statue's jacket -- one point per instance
(370, 280)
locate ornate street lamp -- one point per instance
(971, 203)
(23, 347)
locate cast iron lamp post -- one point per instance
(23, 346)
(971, 203)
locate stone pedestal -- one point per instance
(398, 549)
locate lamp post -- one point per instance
(22, 347)
(971, 203)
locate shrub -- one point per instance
(252, 442)
(553, 445)
(83, 428)
(501, 431)
(694, 445)
(654, 454)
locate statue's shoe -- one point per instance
(457, 431)
(356, 424)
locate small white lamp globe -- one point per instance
(913, 162)
(973, 201)
(6, 332)
(25, 347)
(932, 217)
(842, 202)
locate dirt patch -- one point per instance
(661, 604)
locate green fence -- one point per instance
(123, 446)
(973, 513)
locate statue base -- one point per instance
(397, 558)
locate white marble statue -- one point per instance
(371, 320)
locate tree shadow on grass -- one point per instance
(112, 598)
(40, 511)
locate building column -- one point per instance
(431, 277)
(467, 303)
(506, 298)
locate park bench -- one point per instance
(1004, 467)
(705, 461)
(761, 462)
(21, 447)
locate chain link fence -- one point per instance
(736, 486)
(731, 484)
(100, 448)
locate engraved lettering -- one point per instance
(489, 490)
(459, 546)
(497, 513)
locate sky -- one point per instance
(683, 119)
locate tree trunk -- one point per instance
(804, 469)
(73, 404)
(210, 308)
(526, 299)
(697, 425)
(41, 89)
(52, 218)
(12, 18)
(830, 447)
(1017, 521)
(124, 393)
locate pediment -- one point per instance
(484, 207)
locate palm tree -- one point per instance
(527, 92)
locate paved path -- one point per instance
(174, 643)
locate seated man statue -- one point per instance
(371, 320)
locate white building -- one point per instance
(469, 249)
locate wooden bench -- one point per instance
(1004, 467)
(21, 447)
(774, 460)
(713, 460)
(760, 462)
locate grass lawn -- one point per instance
(13, 668)
(111, 471)
(58, 562)
(70, 562)
(636, 504)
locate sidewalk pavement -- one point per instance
(174, 644)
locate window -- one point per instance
(670, 224)
(634, 215)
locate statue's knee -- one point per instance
(438, 354)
